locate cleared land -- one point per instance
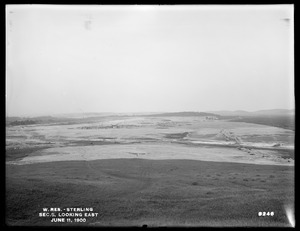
(159, 171)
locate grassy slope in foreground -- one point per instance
(153, 192)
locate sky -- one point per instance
(139, 58)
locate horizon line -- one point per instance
(140, 112)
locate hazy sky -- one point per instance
(63, 59)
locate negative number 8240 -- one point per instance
(263, 214)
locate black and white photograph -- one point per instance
(149, 115)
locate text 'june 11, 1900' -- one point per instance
(68, 215)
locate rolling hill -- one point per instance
(187, 113)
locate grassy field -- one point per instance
(154, 192)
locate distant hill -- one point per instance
(183, 114)
(13, 118)
(231, 113)
(273, 112)
(43, 118)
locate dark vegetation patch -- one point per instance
(136, 192)
(107, 138)
(286, 154)
(143, 139)
(88, 143)
(16, 137)
(176, 135)
(207, 136)
(110, 126)
(15, 121)
(22, 122)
